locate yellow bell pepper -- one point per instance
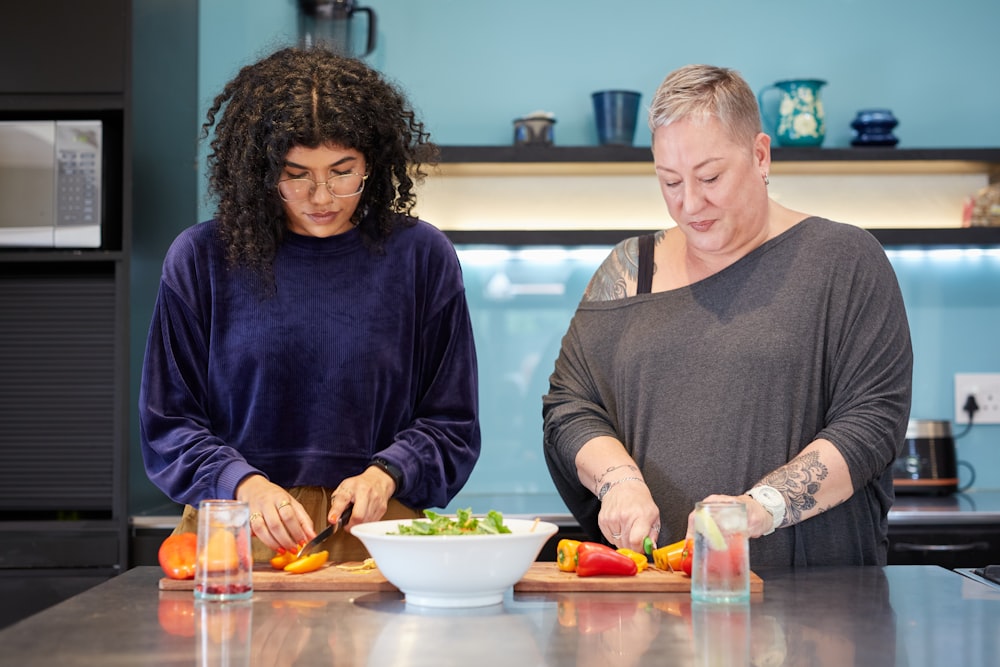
(566, 555)
(641, 561)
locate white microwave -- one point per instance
(51, 183)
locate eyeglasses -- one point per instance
(344, 185)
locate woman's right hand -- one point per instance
(276, 519)
(628, 515)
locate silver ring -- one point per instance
(616, 535)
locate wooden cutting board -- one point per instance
(327, 578)
(545, 577)
(541, 577)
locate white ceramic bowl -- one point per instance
(454, 570)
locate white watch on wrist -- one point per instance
(771, 500)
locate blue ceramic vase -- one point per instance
(873, 127)
(792, 112)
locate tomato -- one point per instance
(178, 554)
(308, 563)
(687, 556)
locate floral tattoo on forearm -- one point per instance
(799, 480)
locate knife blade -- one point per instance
(344, 517)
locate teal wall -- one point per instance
(471, 67)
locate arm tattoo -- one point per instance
(616, 274)
(799, 480)
(599, 478)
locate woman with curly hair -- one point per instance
(311, 347)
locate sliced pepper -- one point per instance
(178, 554)
(566, 555)
(593, 559)
(669, 557)
(282, 558)
(641, 561)
(308, 563)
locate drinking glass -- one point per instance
(224, 569)
(721, 565)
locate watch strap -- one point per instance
(390, 469)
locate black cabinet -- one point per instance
(947, 545)
(64, 342)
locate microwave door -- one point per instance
(27, 188)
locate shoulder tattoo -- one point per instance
(800, 480)
(616, 276)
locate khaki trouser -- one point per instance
(343, 546)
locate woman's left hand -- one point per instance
(276, 519)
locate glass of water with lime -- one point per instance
(720, 569)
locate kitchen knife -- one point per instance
(344, 517)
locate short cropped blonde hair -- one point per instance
(703, 91)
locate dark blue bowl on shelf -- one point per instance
(873, 127)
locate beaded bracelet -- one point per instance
(610, 485)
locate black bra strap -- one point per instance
(644, 282)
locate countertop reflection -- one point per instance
(897, 615)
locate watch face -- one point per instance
(769, 497)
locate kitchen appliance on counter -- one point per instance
(928, 463)
(51, 180)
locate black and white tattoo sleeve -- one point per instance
(799, 481)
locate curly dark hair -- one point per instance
(308, 97)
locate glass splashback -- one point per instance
(522, 298)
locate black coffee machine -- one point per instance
(331, 23)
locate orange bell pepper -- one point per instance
(308, 563)
(178, 555)
(282, 558)
(566, 555)
(669, 557)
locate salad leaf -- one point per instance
(464, 523)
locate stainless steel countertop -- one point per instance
(897, 615)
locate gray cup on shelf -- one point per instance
(616, 112)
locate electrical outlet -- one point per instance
(986, 388)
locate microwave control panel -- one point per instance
(78, 180)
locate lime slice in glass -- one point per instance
(706, 526)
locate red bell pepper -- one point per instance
(687, 557)
(593, 559)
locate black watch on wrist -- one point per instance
(391, 470)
